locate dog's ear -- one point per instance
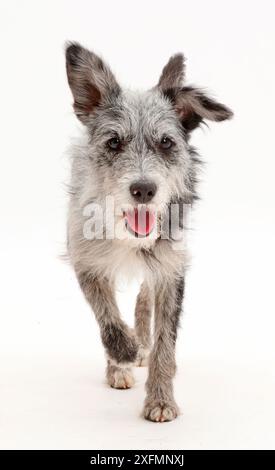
(193, 106)
(90, 80)
(173, 73)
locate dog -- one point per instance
(135, 151)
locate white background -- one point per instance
(52, 390)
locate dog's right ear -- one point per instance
(90, 80)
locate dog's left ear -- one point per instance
(90, 80)
(191, 104)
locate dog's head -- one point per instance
(138, 144)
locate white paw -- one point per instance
(120, 377)
(142, 357)
(160, 412)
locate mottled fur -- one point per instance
(139, 120)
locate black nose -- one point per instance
(143, 191)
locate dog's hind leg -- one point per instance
(160, 404)
(119, 342)
(143, 314)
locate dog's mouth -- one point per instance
(140, 222)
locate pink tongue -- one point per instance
(140, 221)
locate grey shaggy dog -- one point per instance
(134, 150)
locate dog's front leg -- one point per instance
(143, 313)
(118, 340)
(160, 404)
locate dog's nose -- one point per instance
(143, 191)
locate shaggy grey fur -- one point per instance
(131, 137)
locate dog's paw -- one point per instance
(118, 377)
(142, 357)
(160, 411)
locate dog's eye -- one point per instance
(114, 143)
(166, 143)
